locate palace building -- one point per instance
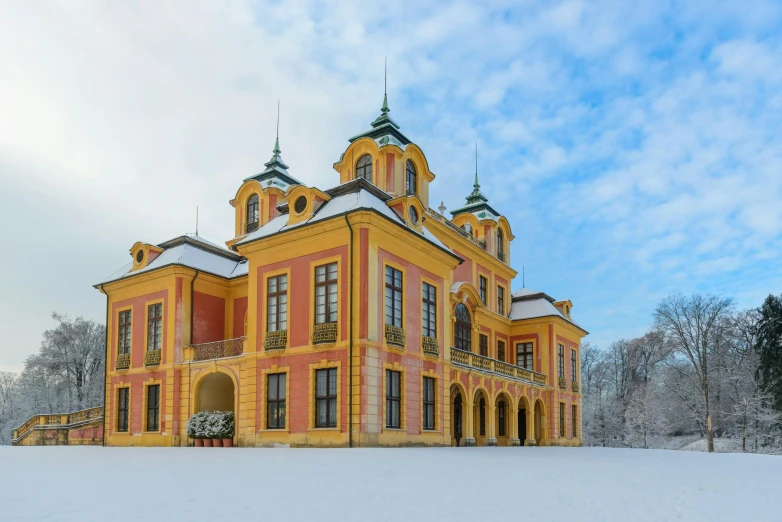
(353, 316)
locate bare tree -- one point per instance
(698, 327)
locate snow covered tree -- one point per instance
(698, 328)
(769, 348)
(645, 418)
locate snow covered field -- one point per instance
(448, 484)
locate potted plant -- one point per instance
(227, 428)
(213, 419)
(195, 426)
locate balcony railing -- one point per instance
(152, 358)
(123, 361)
(324, 333)
(218, 349)
(276, 340)
(430, 346)
(486, 364)
(395, 336)
(447, 222)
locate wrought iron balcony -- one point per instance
(430, 346)
(251, 227)
(324, 333)
(218, 349)
(123, 361)
(277, 340)
(152, 358)
(488, 365)
(395, 335)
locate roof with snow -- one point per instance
(193, 252)
(530, 304)
(355, 195)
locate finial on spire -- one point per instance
(277, 139)
(476, 196)
(385, 109)
(476, 185)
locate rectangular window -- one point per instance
(428, 403)
(429, 318)
(153, 407)
(501, 351)
(393, 297)
(123, 345)
(484, 345)
(326, 398)
(122, 409)
(277, 303)
(393, 399)
(524, 355)
(500, 300)
(574, 421)
(154, 326)
(326, 294)
(573, 365)
(483, 284)
(275, 401)
(561, 419)
(561, 360)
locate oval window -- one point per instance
(413, 215)
(139, 256)
(300, 205)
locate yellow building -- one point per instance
(353, 316)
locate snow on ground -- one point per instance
(416, 484)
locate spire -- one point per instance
(384, 118)
(476, 196)
(385, 109)
(276, 160)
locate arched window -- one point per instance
(462, 333)
(410, 179)
(252, 213)
(364, 167)
(500, 245)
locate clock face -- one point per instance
(413, 215)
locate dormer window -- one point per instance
(252, 214)
(364, 167)
(413, 215)
(500, 245)
(410, 179)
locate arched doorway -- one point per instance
(540, 423)
(216, 393)
(481, 418)
(503, 420)
(457, 418)
(523, 412)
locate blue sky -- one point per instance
(636, 148)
